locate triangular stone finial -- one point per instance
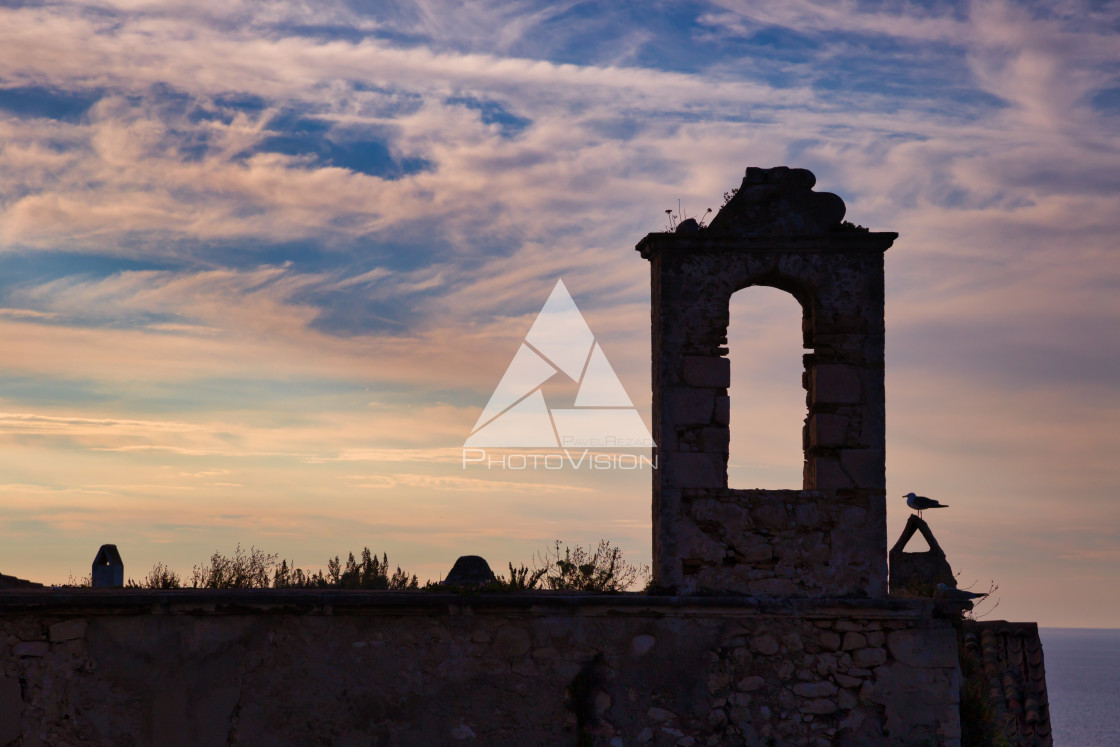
(916, 525)
(918, 573)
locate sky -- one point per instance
(263, 263)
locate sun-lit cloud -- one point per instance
(261, 264)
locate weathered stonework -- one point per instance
(918, 573)
(829, 538)
(795, 644)
(275, 667)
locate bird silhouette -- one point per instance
(920, 503)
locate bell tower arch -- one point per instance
(826, 538)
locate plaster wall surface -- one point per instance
(199, 668)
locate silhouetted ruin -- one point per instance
(826, 537)
(770, 622)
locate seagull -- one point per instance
(920, 503)
(959, 595)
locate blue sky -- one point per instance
(261, 265)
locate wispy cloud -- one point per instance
(248, 249)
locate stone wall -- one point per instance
(815, 656)
(769, 234)
(388, 668)
(774, 542)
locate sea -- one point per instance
(1083, 682)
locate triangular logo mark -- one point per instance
(600, 386)
(561, 334)
(526, 372)
(525, 424)
(560, 341)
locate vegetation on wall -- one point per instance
(559, 568)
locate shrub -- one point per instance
(290, 577)
(601, 569)
(160, 577)
(370, 573)
(520, 579)
(241, 571)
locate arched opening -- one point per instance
(768, 406)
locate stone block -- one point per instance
(923, 648)
(821, 706)
(788, 552)
(853, 517)
(866, 467)
(692, 543)
(807, 515)
(714, 440)
(31, 648)
(836, 383)
(771, 515)
(706, 371)
(740, 700)
(825, 664)
(827, 430)
(814, 689)
(854, 640)
(689, 406)
(722, 415)
(724, 512)
(751, 683)
(873, 429)
(68, 630)
(716, 681)
(752, 548)
(694, 469)
(869, 657)
(814, 550)
(764, 644)
(830, 640)
(827, 475)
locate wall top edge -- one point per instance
(837, 243)
(281, 602)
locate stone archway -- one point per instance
(829, 537)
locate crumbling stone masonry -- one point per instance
(829, 537)
(795, 643)
(399, 668)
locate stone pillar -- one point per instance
(829, 537)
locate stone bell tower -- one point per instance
(828, 537)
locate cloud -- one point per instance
(226, 228)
